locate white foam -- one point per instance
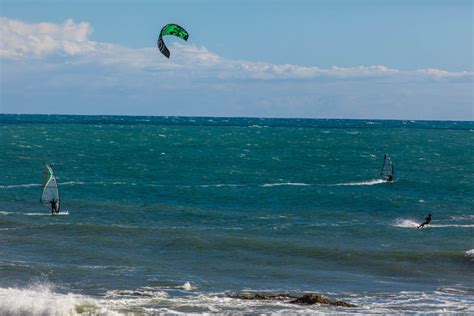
(28, 185)
(187, 286)
(219, 185)
(40, 299)
(409, 223)
(370, 182)
(470, 254)
(22, 213)
(452, 225)
(284, 184)
(71, 183)
(462, 217)
(406, 223)
(441, 301)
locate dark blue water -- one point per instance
(171, 213)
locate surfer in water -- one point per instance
(426, 222)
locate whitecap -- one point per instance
(284, 184)
(28, 185)
(71, 183)
(370, 182)
(40, 299)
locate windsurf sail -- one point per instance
(49, 188)
(387, 168)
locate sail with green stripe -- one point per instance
(49, 188)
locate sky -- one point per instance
(312, 59)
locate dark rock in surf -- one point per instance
(261, 296)
(310, 299)
(306, 299)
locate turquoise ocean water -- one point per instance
(170, 214)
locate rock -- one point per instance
(310, 299)
(306, 299)
(261, 296)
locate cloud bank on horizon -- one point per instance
(56, 68)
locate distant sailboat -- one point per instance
(387, 172)
(50, 190)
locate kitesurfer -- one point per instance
(426, 222)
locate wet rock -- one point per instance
(261, 296)
(310, 299)
(306, 299)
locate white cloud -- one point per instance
(441, 74)
(20, 40)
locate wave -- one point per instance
(40, 299)
(284, 184)
(408, 223)
(27, 213)
(219, 185)
(43, 299)
(29, 185)
(370, 182)
(451, 225)
(71, 183)
(470, 254)
(12, 186)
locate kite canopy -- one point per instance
(170, 29)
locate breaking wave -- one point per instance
(470, 254)
(43, 299)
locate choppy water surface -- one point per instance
(170, 214)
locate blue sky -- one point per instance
(345, 59)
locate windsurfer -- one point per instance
(54, 206)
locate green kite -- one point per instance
(170, 29)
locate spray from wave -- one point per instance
(40, 299)
(405, 223)
(409, 223)
(470, 254)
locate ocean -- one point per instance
(174, 214)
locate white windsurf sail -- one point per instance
(49, 188)
(387, 168)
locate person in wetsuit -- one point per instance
(54, 206)
(426, 222)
